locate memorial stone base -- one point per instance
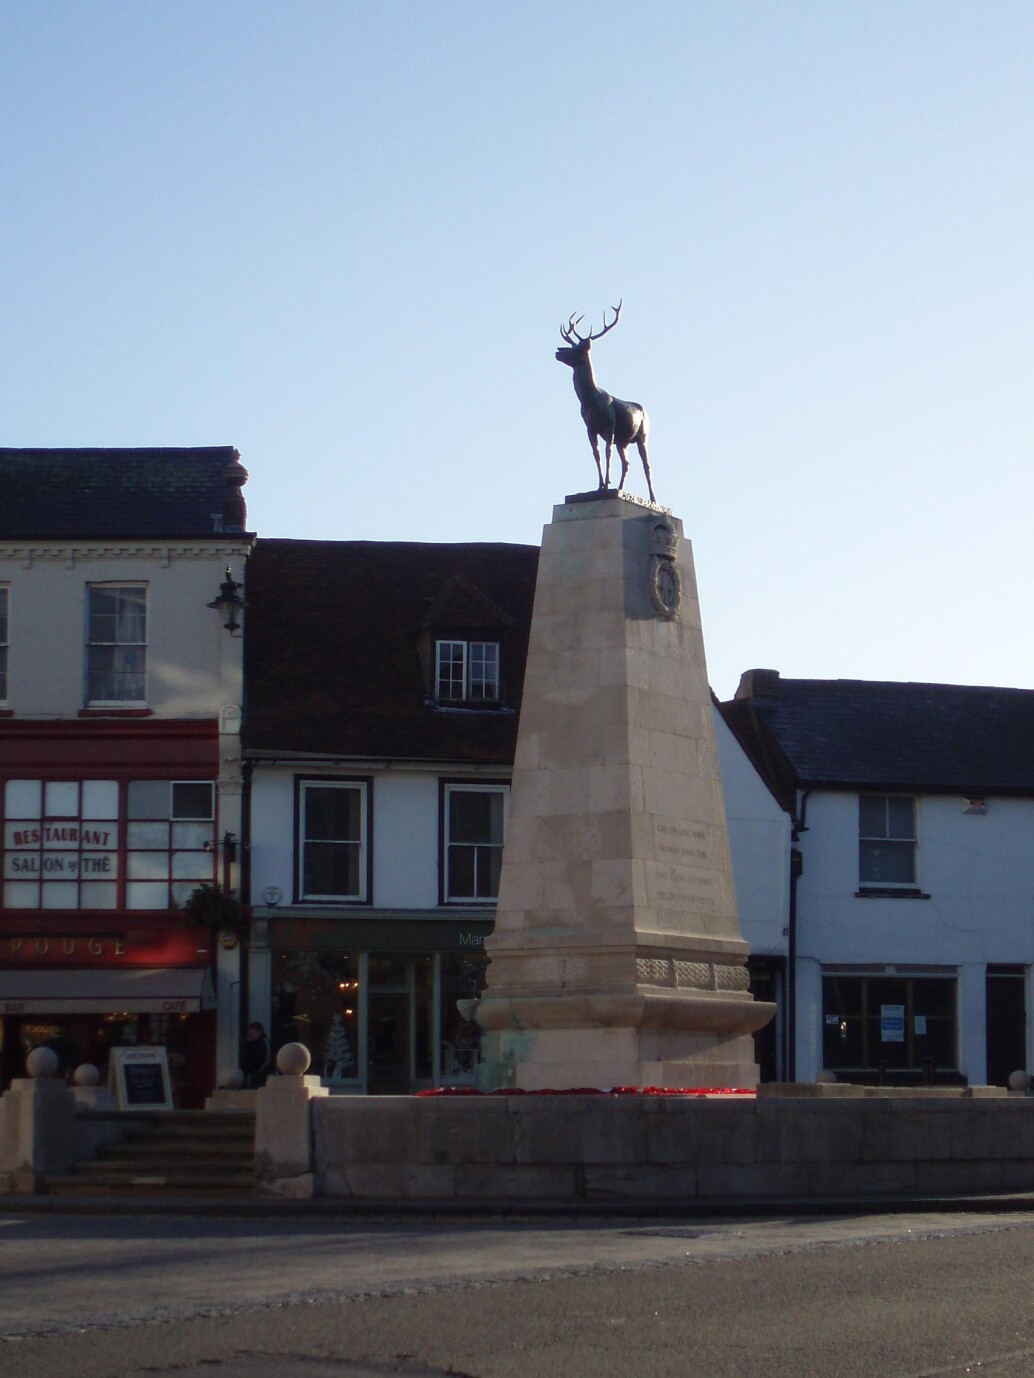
(617, 957)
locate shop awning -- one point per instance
(136, 990)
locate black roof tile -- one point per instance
(862, 734)
(72, 494)
(337, 647)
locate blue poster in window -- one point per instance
(892, 1023)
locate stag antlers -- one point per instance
(571, 335)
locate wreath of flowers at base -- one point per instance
(596, 1091)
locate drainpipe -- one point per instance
(244, 874)
(796, 871)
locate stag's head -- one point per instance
(576, 350)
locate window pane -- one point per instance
(451, 667)
(148, 799)
(21, 865)
(98, 895)
(23, 798)
(116, 650)
(115, 674)
(103, 605)
(489, 862)
(192, 866)
(900, 817)
(147, 865)
(62, 799)
(461, 872)
(144, 835)
(3, 616)
(332, 814)
(132, 615)
(100, 799)
(21, 894)
(475, 817)
(331, 869)
(60, 895)
(97, 836)
(192, 799)
(872, 815)
(193, 835)
(142, 894)
(484, 670)
(887, 863)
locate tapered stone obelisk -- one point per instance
(617, 957)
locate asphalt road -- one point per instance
(210, 1297)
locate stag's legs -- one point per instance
(596, 455)
(624, 467)
(641, 443)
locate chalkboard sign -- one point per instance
(141, 1078)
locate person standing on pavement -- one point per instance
(256, 1057)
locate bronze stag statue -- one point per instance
(618, 423)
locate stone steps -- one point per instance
(180, 1153)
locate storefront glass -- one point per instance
(316, 998)
(382, 1022)
(889, 1024)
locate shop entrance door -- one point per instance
(1006, 1023)
(389, 1041)
(399, 1022)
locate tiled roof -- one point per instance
(336, 647)
(857, 734)
(59, 494)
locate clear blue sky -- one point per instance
(342, 237)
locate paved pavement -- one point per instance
(324, 1297)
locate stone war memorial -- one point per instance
(617, 958)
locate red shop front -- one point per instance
(83, 987)
(107, 828)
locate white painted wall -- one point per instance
(405, 841)
(978, 871)
(405, 832)
(193, 664)
(759, 840)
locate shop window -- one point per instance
(316, 1002)
(61, 844)
(890, 1025)
(886, 840)
(4, 598)
(116, 643)
(472, 842)
(63, 841)
(170, 841)
(467, 672)
(332, 842)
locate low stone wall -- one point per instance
(654, 1149)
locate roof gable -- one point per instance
(460, 606)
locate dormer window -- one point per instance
(466, 671)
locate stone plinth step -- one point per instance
(191, 1148)
(179, 1153)
(173, 1131)
(146, 1187)
(162, 1167)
